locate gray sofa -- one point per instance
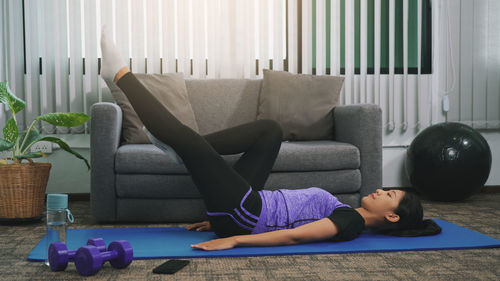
(138, 182)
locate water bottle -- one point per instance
(57, 213)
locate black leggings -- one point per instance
(230, 193)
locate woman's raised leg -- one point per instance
(259, 141)
(223, 189)
(233, 207)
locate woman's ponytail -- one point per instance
(424, 228)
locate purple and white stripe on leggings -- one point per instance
(241, 216)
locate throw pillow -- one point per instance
(171, 92)
(301, 103)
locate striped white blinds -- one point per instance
(474, 92)
(203, 39)
(11, 55)
(239, 38)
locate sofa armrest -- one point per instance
(361, 126)
(106, 124)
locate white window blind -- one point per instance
(50, 51)
(474, 92)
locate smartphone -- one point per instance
(170, 266)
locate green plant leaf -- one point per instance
(33, 136)
(30, 155)
(7, 97)
(66, 147)
(5, 145)
(10, 131)
(65, 119)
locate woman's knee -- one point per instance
(272, 128)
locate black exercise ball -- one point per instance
(448, 162)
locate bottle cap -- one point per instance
(57, 201)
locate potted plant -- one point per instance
(22, 185)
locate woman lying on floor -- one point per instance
(238, 208)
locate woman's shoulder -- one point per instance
(349, 222)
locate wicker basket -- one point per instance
(22, 189)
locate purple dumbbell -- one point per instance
(59, 256)
(89, 259)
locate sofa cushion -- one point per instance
(131, 131)
(160, 210)
(316, 156)
(155, 186)
(169, 89)
(301, 103)
(293, 156)
(182, 186)
(223, 103)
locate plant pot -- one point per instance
(22, 190)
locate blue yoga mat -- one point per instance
(174, 242)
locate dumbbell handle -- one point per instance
(106, 256)
(71, 254)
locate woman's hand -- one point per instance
(217, 244)
(200, 226)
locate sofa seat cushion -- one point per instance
(316, 156)
(293, 157)
(181, 186)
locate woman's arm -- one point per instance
(315, 231)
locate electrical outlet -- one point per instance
(42, 146)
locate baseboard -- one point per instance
(78, 197)
(491, 189)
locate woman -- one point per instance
(237, 207)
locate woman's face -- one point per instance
(382, 201)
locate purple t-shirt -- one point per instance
(284, 208)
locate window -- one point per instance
(426, 37)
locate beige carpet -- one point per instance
(481, 213)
